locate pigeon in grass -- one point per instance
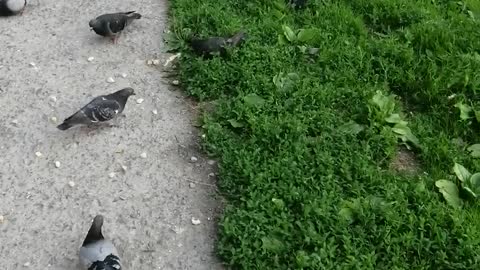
(12, 7)
(100, 109)
(112, 24)
(96, 252)
(207, 47)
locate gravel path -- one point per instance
(52, 183)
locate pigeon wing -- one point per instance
(101, 109)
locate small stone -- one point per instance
(71, 184)
(209, 218)
(204, 136)
(143, 155)
(193, 159)
(155, 112)
(149, 62)
(15, 122)
(2, 219)
(124, 168)
(90, 59)
(124, 75)
(54, 119)
(192, 185)
(57, 164)
(211, 162)
(53, 98)
(211, 175)
(175, 82)
(196, 221)
(27, 264)
(111, 175)
(32, 64)
(110, 80)
(38, 154)
(140, 100)
(156, 62)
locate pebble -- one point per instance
(15, 122)
(124, 168)
(32, 64)
(192, 185)
(2, 219)
(111, 175)
(211, 174)
(54, 119)
(124, 75)
(149, 62)
(204, 136)
(27, 264)
(211, 162)
(53, 98)
(140, 100)
(71, 184)
(196, 221)
(90, 59)
(38, 154)
(156, 62)
(57, 164)
(143, 155)
(175, 82)
(110, 80)
(193, 159)
(155, 112)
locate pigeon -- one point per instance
(112, 24)
(208, 46)
(12, 7)
(96, 252)
(100, 109)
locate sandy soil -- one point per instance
(147, 208)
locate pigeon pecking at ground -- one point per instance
(208, 46)
(12, 7)
(97, 253)
(112, 24)
(100, 109)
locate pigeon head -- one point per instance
(125, 92)
(94, 23)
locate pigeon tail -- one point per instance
(132, 15)
(64, 126)
(95, 232)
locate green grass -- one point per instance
(303, 191)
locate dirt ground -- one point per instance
(52, 182)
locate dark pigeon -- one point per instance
(100, 109)
(209, 46)
(96, 252)
(112, 24)
(12, 7)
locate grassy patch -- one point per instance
(312, 114)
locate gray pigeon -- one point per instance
(211, 45)
(112, 24)
(100, 109)
(12, 7)
(97, 253)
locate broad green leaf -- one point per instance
(289, 34)
(386, 104)
(351, 128)
(474, 150)
(465, 110)
(253, 100)
(450, 192)
(401, 130)
(475, 183)
(412, 138)
(469, 192)
(272, 244)
(306, 35)
(278, 202)
(235, 123)
(393, 118)
(477, 116)
(346, 213)
(462, 173)
(281, 39)
(303, 49)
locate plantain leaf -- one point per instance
(253, 100)
(351, 128)
(289, 34)
(235, 123)
(462, 173)
(450, 192)
(474, 150)
(465, 110)
(393, 118)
